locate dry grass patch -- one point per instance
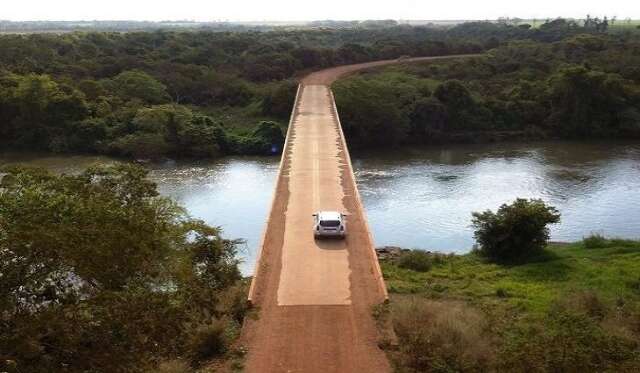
(440, 336)
(174, 366)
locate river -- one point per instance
(418, 197)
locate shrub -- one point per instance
(279, 100)
(440, 336)
(516, 232)
(595, 241)
(233, 302)
(415, 260)
(502, 293)
(266, 139)
(209, 340)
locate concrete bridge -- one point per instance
(315, 298)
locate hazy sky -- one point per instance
(291, 10)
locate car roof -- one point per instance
(329, 215)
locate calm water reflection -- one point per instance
(424, 198)
(234, 193)
(421, 198)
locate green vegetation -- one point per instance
(419, 261)
(100, 274)
(516, 232)
(130, 115)
(596, 241)
(573, 309)
(584, 85)
(176, 94)
(206, 94)
(570, 307)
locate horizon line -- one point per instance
(307, 20)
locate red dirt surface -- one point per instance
(315, 298)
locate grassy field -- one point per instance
(576, 307)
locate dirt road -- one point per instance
(315, 298)
(328, 76)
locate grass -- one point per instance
(575, 307)
(530, 287)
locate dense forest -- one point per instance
(205, 94)
(582, 86)
(177, 94)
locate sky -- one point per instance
(305, 10)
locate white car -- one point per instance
(329, 224)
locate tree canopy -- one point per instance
(88, 91)
(84, 258)
(584, 86)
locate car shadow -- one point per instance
(330, 243)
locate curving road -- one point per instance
(315, 298)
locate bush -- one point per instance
(233, 302)
(279, 100)
(209, 340)
(266, 139)
(516, 232)
(595, 241)
(415, 260)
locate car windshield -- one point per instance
(330, 223)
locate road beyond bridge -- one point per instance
(315, 298)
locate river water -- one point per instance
(418, 197)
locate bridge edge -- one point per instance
(256, 272)
(363, 216)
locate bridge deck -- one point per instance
(315, 297)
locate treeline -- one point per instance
(178, 94)
(197, 94)
(130, 115)
(184, 25)
(584, 86)
(124, 26)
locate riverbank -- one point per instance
(575, 308)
